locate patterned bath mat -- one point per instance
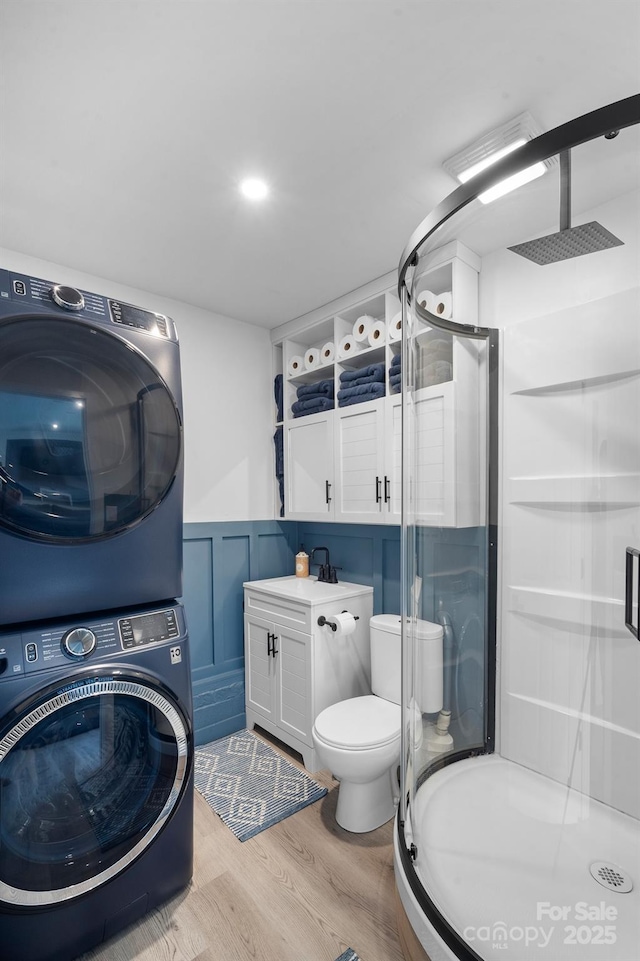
(249, 785)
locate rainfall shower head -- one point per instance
(569, 241)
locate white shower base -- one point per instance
(505, 854)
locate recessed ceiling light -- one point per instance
(254, 189)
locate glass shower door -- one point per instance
(449, 536)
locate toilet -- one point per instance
(358, 740)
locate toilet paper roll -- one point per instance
(394, 331)
(328, 353)
(362, 328)
(296, 365)
(312, 359)
(348, 346)
(443, 305)
(426, 299)
(377, 334)
(345, 624)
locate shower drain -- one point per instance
(611, 876)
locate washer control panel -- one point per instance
(148, 629)
(56, 645)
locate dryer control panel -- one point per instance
(26, 291)
(46, 647)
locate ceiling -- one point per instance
(126, 126)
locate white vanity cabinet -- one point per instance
(294, 667)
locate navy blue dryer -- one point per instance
(96, 777)
(91, 463)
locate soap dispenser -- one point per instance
(302, 564)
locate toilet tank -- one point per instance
(386, 680)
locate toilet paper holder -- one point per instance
(322, 620)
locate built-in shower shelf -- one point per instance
(583, 492)
(583, 383)
(574, 610)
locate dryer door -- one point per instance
(89, 773)
(90, 436)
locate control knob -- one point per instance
(79, 642)
(67, 297)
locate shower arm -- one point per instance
(565, 190)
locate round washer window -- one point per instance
(88, 776)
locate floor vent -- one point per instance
(611, 876)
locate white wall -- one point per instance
(227, 385)
(570, 504)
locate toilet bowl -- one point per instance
(359, 742)
(358, 739)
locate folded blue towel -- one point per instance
(354, 395)
(395, 388)
(311, 405)
(397, 360)
(395, 383)
(277, 393)
(396, 377)
(375, 378)
(369, 371)
(321, 389)
(359, 398)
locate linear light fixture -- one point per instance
(493, 146)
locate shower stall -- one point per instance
(518, 829)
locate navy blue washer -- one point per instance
(96, 777)
(91, 453)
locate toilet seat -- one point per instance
(359, 723)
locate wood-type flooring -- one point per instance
(303, 890)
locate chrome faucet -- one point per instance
(327, 573)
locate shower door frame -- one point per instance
(598, 123)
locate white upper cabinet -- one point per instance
(343, 460)
(309, 468)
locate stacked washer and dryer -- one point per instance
(96, 744)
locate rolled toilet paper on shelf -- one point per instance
(377, 334)
(394, 331)
(296, 365)
(443, 305)
(345, 624)
(348, 346)
(362, 328)
(426, 299)
(438, 304)
(328, 353)
(312, 359)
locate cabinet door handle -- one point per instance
(387, 489)
(274, 649)
(378, 491)
(269, 644)
(327, 489)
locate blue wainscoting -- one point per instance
(220, 557)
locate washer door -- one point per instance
(89, 773)
(90, 436)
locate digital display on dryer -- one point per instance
(148, 628)
(131, 316)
